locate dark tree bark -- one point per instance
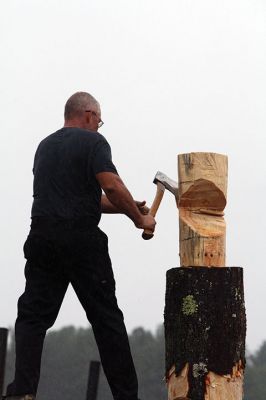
(205, 323)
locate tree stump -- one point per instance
(205, 323)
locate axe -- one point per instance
(162, 182)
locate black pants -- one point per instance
(59, 253)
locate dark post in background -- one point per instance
(3, 347)
(93, 380)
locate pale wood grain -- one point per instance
(202, 199)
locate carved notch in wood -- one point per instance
(202, 199)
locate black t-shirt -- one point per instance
(65, 166)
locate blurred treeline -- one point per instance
(68, 352)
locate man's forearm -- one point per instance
(107, 207)
(123, 202)
(119, 196)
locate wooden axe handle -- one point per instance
(147, 234)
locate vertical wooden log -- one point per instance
(3, 348)
(205, 322)
(202, 199)
(93, 380)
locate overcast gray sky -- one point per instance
(172, 77)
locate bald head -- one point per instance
(78, 103)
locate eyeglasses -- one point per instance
(100, 122)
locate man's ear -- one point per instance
(88, 117)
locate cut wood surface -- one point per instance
(178, 385)
(218, 387)
(209, 166)
(202, 199)
(225, 387)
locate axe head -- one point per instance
(168, 183)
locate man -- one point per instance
(65, 245)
